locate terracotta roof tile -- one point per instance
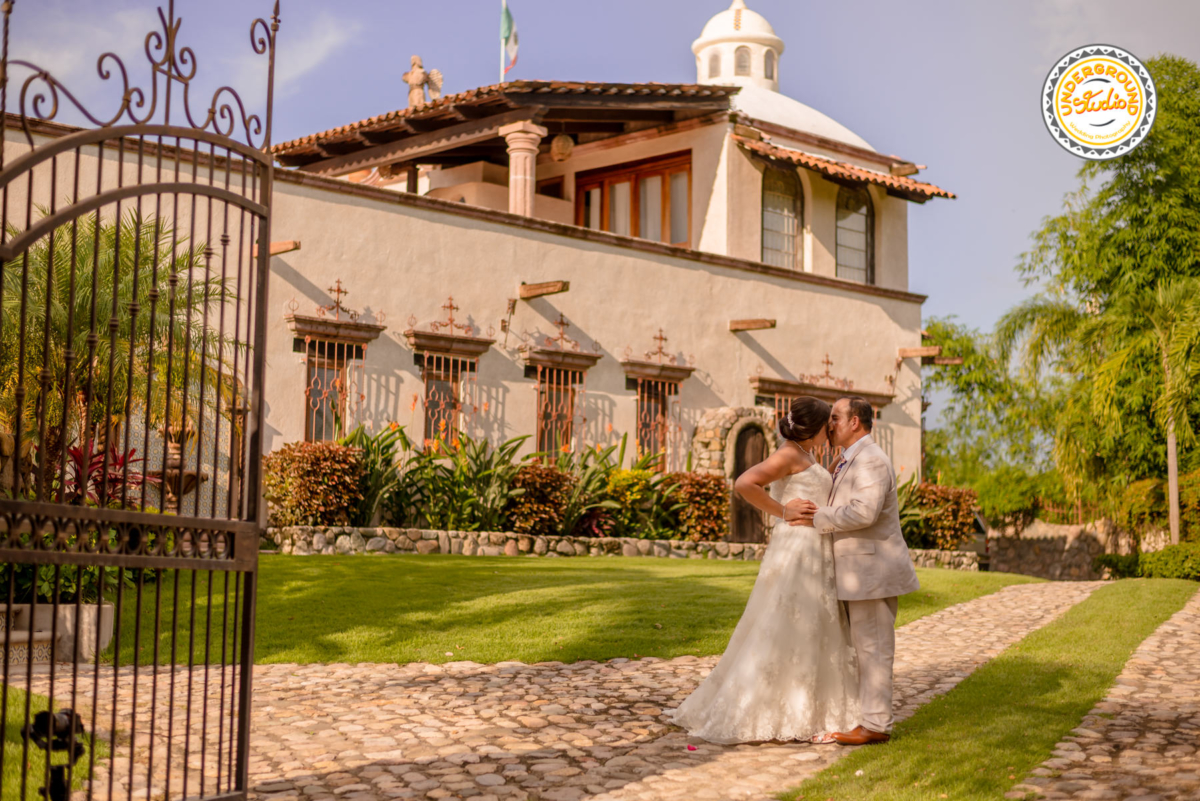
(841, 169)
(499, 91)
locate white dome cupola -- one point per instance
(738, 47)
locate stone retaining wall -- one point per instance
(954, 560)
(1061, 553)
(305, 540)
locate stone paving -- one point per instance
(547, 732)
(1139, 742)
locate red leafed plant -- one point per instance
(90, 480)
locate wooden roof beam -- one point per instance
(757, 324)
(531, 291)
(573, 114)
(413, 148)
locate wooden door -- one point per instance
(748, 523)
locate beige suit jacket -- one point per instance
(870, 557)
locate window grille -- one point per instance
(782, 218)
(333, 393)
(560, 406)
(855, 235)
(769, 65)
(714, 65)
(448, 396)
(659, 430)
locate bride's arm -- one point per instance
(751, 484)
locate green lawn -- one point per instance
(442, 608)
(1002, 721)
(10, 777)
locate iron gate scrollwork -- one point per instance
(133, 281)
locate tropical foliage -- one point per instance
(104, 320)
(472, 485)
(1090, 385)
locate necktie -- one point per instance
(841, 463)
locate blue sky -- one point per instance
(952, 84)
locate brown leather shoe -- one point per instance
(861, 736)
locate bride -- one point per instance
(789, 672)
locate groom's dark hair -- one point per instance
(862, 410)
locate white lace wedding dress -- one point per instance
(789, 671)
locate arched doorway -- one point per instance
(748, 523)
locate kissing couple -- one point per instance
(811, 658)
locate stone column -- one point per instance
(523, 139)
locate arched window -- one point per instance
(782, 218)
(741, 61)
(855, 235)
(714, 65)
(769, 65)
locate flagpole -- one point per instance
(503, 7)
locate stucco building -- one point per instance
(573, 261)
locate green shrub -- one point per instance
(1142, 505)
(1122, 566)
(313, 484)
(1189, 507)
(1008, 496)
(629, 491)
(704, 516)
(948, 516)
(1180, 561)
(538, 509)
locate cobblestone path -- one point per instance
(546, 732)
(1139, 742)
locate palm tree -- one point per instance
(105, 319)
(1103, 342)
(1165, 325)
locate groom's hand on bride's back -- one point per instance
(799, 512)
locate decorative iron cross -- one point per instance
(562, 339)
(659, 352)
(450, 309)
(336, 307)
(828, 363)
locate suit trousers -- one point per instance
(873, 634)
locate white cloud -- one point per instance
(67, 44)
(300, 51)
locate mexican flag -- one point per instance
(508, 40)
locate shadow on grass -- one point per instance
(401, 609)
(17, 755)
(1004, 719)
(439, 608)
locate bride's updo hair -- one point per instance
(805, 419)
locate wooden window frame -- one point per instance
(865, 192)
(634, 172)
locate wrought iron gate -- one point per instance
(133, 280)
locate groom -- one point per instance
(870, 559)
